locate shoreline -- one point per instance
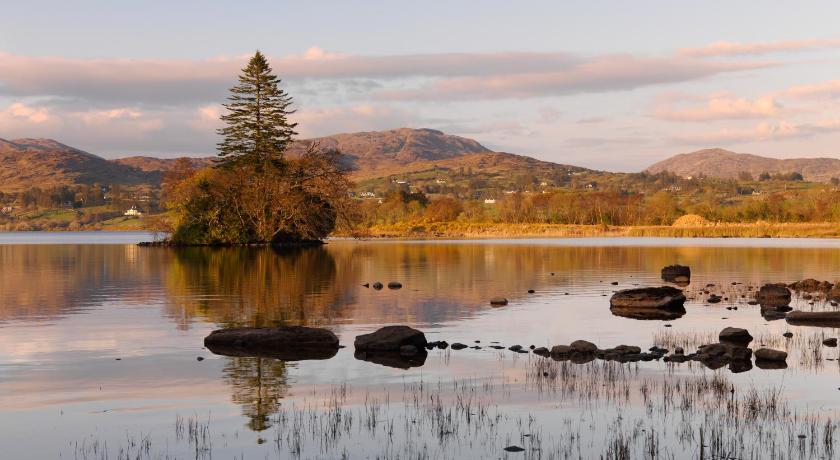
(486, 231)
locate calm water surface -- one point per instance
(99, 341)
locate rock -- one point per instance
(614, 283)
(541, 351)
(199, 358)
(561, 350)
(811, 285)
(408, 350)
(285, 343)
(498, 301)
(514, 449)
(834, 294)
(768, 354)
(393, 359)
(814, 318)
(515, 348)
(655, 297)
(442, 345)
(676, 274)
(394, 285)
(735, 335)
(367, 285)
(390, 338)
(788, 335)
(582, 346)
(458, 346)
(714, 299)
(831, 342)
(531, 291)
(377, 285)
(679, 351)
(773, 295)
(772, 314)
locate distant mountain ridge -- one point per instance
(45, 163)
(726, 164)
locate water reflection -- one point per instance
(67, 311)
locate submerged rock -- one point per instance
(830, 342)
(811, 285)
(286, 343)
(651, 297)
(377, 285)
(390, 338)
(394, 285)
(498, 301)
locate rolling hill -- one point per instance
(725, 164)
(373, 155)
(26, 163)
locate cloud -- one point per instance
(323, 121)
(722, 106)
(825, 90)
(160, 82)
(596, 75)
(724, 48)
(22, 113)
(762, 132)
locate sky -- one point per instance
(613, 85)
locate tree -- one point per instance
(258, 130)
(256, 194)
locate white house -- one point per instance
(134, 212)
(489, 201)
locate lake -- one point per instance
(101, 352)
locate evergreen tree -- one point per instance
(257, 131)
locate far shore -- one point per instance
(478, 231)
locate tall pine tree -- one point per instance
(258, 130)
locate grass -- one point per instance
(601, 410)
(471, 230)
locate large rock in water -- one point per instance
(286, 343)
(773, 295)
(650, 297)
(769, 354)
(814, 318)
(735, 335)
(390, 338)
(679, 274)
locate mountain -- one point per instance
(372, 155)
(725, 164)
(26, 163)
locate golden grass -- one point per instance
(471, 230)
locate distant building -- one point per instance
(489, 201)
(367, 195)
(440, 181)
(133, 212)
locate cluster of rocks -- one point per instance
(378, 286)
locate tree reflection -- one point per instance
(258, 385)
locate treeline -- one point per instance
(605, 207)
(77, 196)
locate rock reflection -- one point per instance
(654, 314)
(393, 359)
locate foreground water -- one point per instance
(100, 340)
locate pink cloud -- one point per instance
(719, 107)
(603, 74)
(724, 48)
(829, 89)
(322, 121)
(762, 132)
